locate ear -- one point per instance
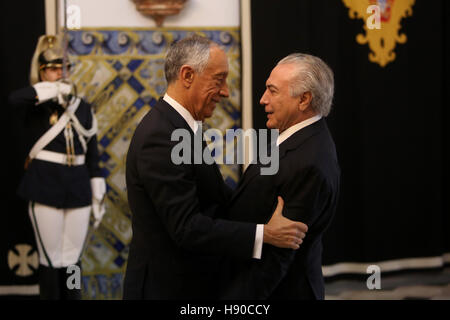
(42, 76)
(305, 101)
(187, 75)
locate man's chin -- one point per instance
(270, 125)
(209, 113)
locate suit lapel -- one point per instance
(168, 112)
(178, 122)
(215, 167)
(252, 171)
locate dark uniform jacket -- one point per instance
(48, 183)
(308, 181)
(177, 244)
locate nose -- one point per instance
(264, 99)
(224, 92)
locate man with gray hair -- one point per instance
(298, 97)
(178, 236)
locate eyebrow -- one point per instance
(222, 74)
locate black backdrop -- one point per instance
(390, 124)
(21, 25)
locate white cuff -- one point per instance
(259, 237)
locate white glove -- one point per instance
(98, 187)
(64, 89)
(47, 90)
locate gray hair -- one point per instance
(315, 76)
(192, 51)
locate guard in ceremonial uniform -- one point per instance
(62, 180)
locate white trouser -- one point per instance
(62, 232)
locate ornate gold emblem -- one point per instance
(381, 41)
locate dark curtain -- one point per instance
(390, 124)
(21, 25)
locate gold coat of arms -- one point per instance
(382, 39)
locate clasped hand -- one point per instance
(61, 91)
(282, 232)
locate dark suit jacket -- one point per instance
(50, 183)
(177, 240)
(308, 181)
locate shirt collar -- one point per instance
(296, 127)
(183, 112)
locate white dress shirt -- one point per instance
(183, 112)
(259, 237)
(296, 127)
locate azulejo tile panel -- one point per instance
(121, 73)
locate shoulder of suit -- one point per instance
(84, 103)
(154, 123)
(84, 107)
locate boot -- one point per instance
(49, 286)
(66, 293)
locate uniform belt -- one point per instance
(60, 158)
